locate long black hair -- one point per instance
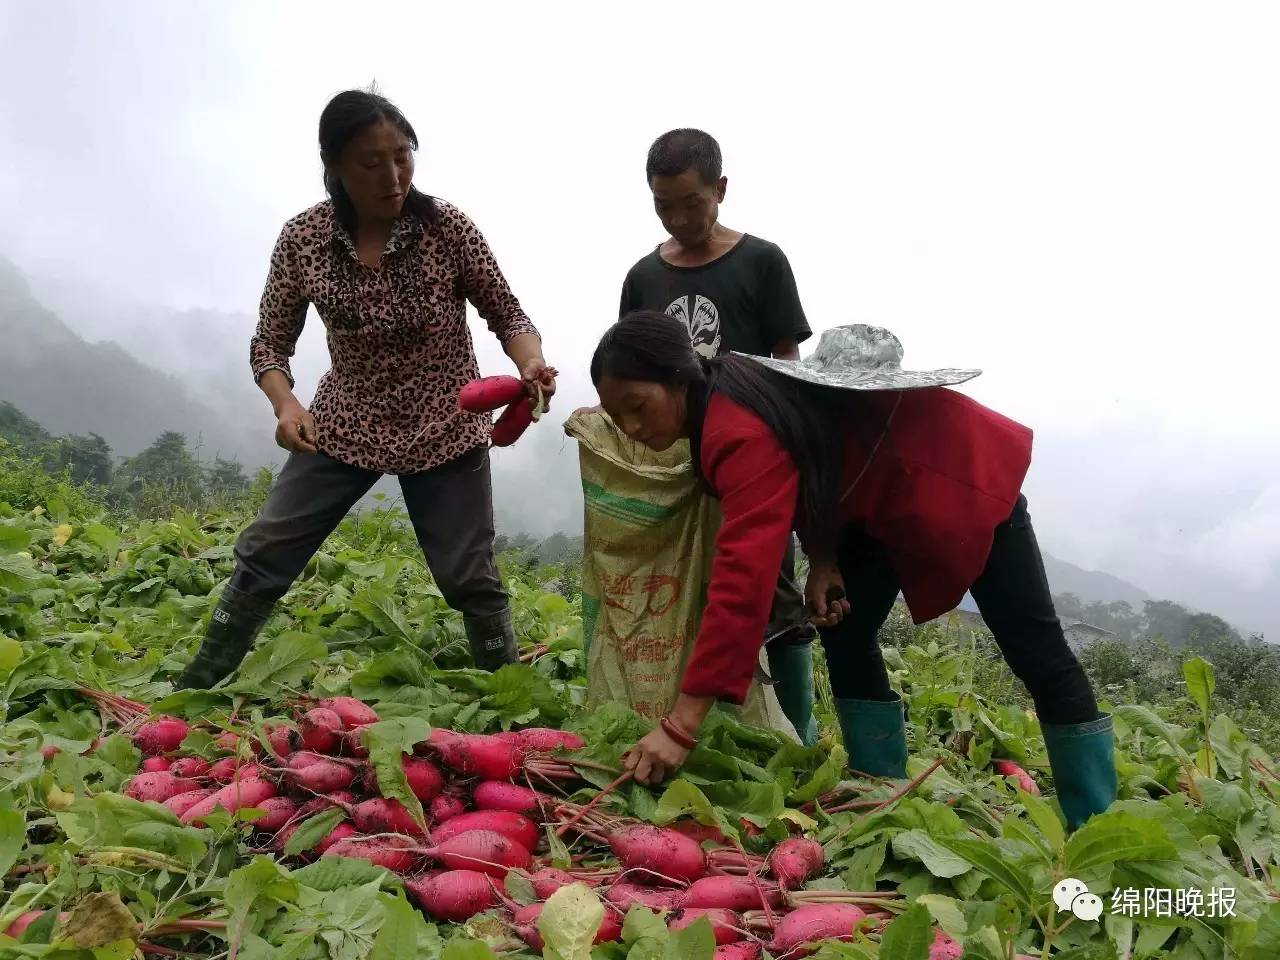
(652, 347)
(342, 119)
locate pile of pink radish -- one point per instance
(485, 820)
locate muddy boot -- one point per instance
(492, 640)
(233, 625)
(875, 735)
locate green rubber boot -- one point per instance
(492, 640)
(1082, 756)
(791, 668)
(233, 625)
(875, 735)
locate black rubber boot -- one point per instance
(233, 625)
(492, 640)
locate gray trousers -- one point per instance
(451, 508)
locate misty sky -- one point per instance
(1082, 199)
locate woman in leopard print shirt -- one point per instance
(389, 270)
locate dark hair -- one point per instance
(652, 347)
(686, 149)
(342, 119)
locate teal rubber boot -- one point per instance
(233, 625)
(1082, 757)
(791, 667)
(875, 735)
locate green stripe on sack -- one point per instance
(625, 508)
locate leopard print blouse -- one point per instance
(399, 345)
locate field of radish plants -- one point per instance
(356, 792)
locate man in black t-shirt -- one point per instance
(735, 292)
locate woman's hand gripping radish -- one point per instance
(660, 753)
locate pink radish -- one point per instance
(698, 831)
(233, 768)
(343, 831)
(725, 924)
(514, 826)
(478, 755)
(813, 922)
(353, 713)
(236, 796)
(1007, 768)
(394, 853)
(454, 896)
(164, 734)
(278, 812)
(481, 850)
(320, 729)
(500, 795)
(228, 742)
(490, 393)
(525, 921)
(192, 767)
(282, 739)
(513, 422)
(445, 807)
(548, 880)
(944, 948)
(155, 765)
(48, 751)
(746, 950)
(339, 798)
(382, 815)
(624, 895)
(545, 740)
(666, 853)
(183, 802)
(796, 860)
(157, 787)
(731, 893)
(425, 779)
(310, 771)
(19, 926)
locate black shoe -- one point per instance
(233, 625)
(492, 640)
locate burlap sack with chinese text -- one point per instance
(649, 537)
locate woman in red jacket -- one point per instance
(894, 484)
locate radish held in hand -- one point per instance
(236, 796)
(321, 728)
(513, 422)
(514, 826)
(725, 924)
(490, 393)
(1007, 768)
(155, 765)
(445, 807)
(796, 860)
(183, 802)
(158, 787)
(545, 740)
(395, 853)
(162, 735)
(813, 922)
(191, 767)
(666, 853)
(732, 893)
(454, 896)
(354, 714)
(500, 795)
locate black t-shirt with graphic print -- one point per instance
(745, 301)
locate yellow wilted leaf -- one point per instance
(37, 512)
(59, 799)
(99, 920)
(61, 534)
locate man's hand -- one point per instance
(824, 594)
(295, 428)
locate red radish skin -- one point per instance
(185, 801)
(164, 734)
(425, 779)
(49, 751)
(548, 880)
(353, 713)
(479, 755)
(343, 831)
(525, 921)
(725, 924)
(454, 896)
(746, 950)
(234, 797)
(339, 798)
(500, 795)
(1007, 768)
(489, 393)
(698, 831)
(944, 948)
(19, 926)
(624, 895)
(155, 765)
(158, 787)
(194, 768)
(310, 771)
(227, 742)
(794, 861)
(445, 807)
(813, 922)
(667, 853)
(278, 812)
(282, 739)
(320, 729)
(390, 852)
(513, 422)
(731, 893)
(513, 826)
(233, 768)
(482, 850)
(545, 740)
(382, 815)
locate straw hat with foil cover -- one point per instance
(861, 357)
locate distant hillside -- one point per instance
(69, 385)
(1092, 585)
